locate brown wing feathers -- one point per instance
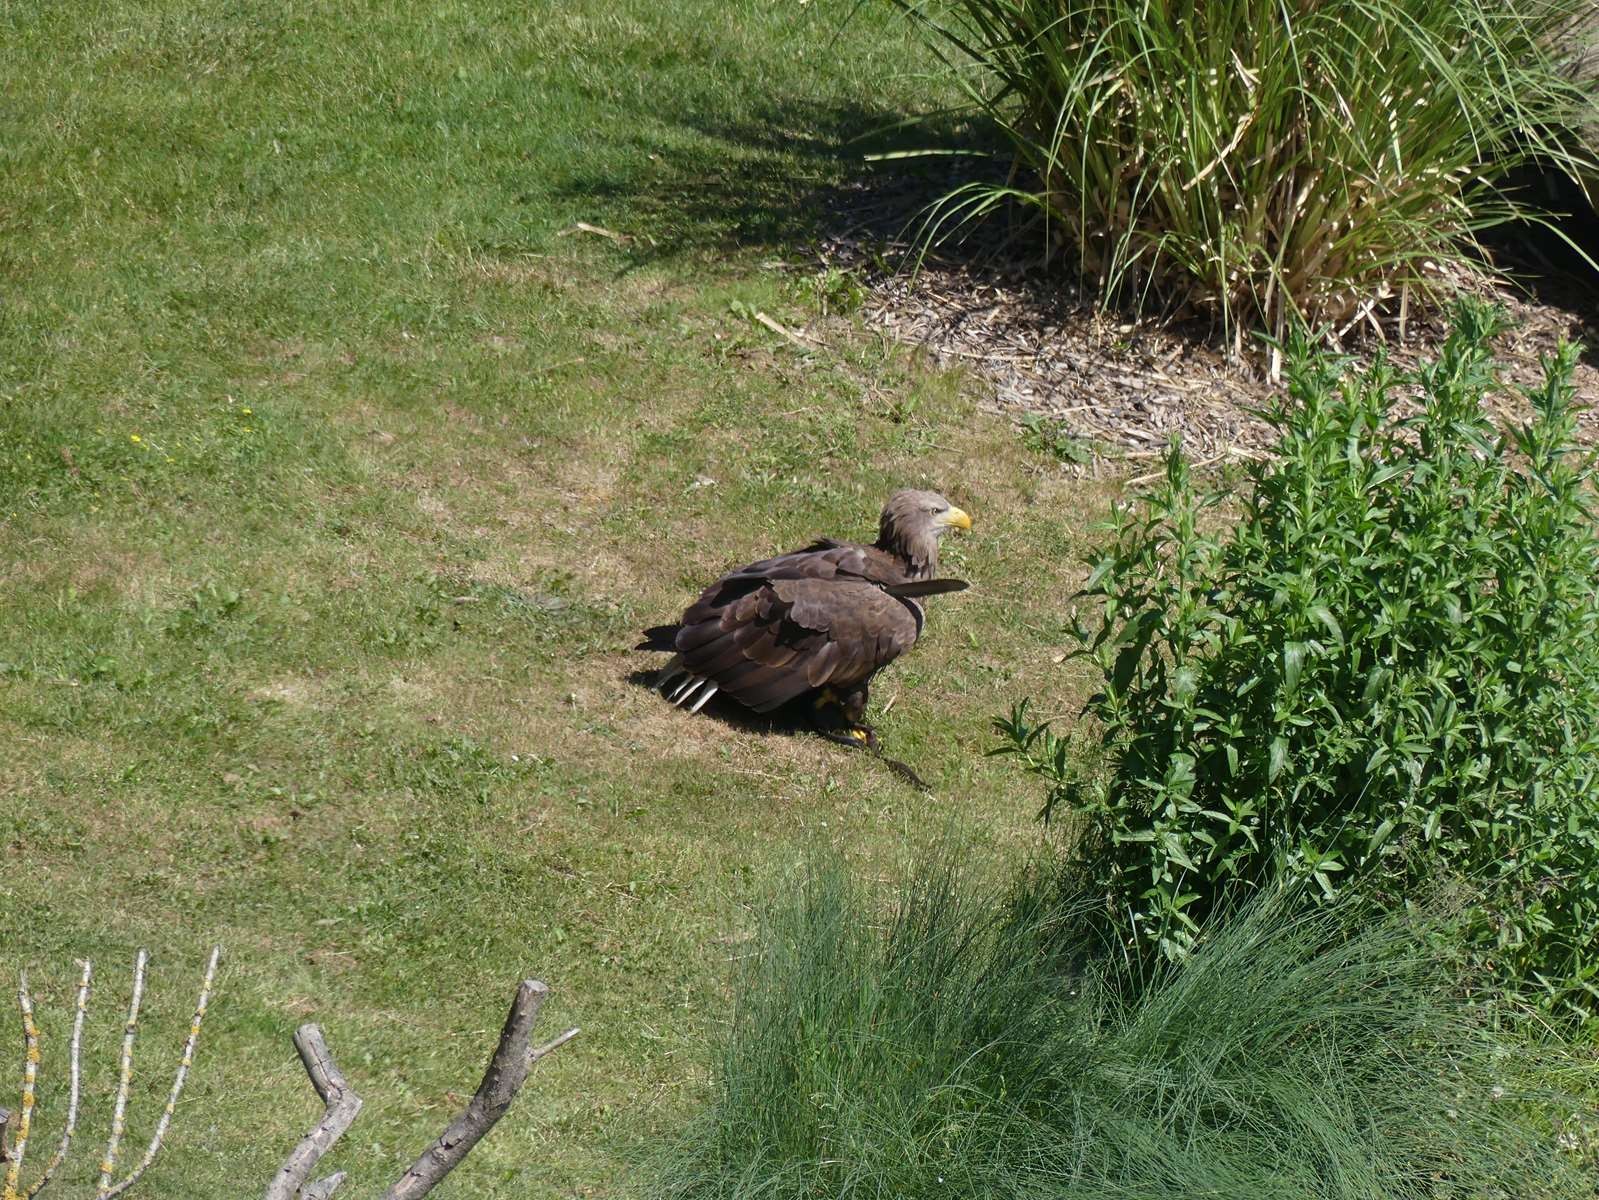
(832, 614)
(787, 637)
(765, 648)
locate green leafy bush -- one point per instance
(1268, 161)
(1387, 669)
(973, 1044)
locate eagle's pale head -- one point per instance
(911, 524)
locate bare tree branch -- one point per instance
(507, 1071)
(76, 1069)
(323, 1188)
(342, 1106)
(119, 1113)
(177, 1082)
(30, 1081)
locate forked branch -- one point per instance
(178, 1081)
(513, 1057)
(507, 1071)
(343, 1105)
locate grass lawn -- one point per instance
(334, 484)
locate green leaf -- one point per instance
(1405, 613)
(1379, 836)
(1324, 614)
(1293, 662)
(1279, 758)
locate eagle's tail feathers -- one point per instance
(671, 671)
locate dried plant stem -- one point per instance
(75, 1066)
(177, 1082)
(507, 1071)
(119, 1114)
(30, 1080)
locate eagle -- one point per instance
(816, 623)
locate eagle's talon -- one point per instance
(856, 737)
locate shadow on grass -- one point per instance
(792, 720)
(793, 173)
(788, 721)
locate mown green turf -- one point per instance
(334, 484)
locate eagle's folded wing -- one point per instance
(785, 637)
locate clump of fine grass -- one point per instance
(1269, 162)
(972, 1044)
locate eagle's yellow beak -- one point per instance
(957, 517)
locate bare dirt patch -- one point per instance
(289, 690)
(93, 563)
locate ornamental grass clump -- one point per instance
(969, 1044)
(1266, 161)
(1384, 672)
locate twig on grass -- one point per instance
(119, 1112)
(75, 1084)
(177, 1082)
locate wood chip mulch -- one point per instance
(1125, 388)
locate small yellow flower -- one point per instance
(133, 437)
(245, 411)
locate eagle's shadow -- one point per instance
(796, 718)
(792, 720)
